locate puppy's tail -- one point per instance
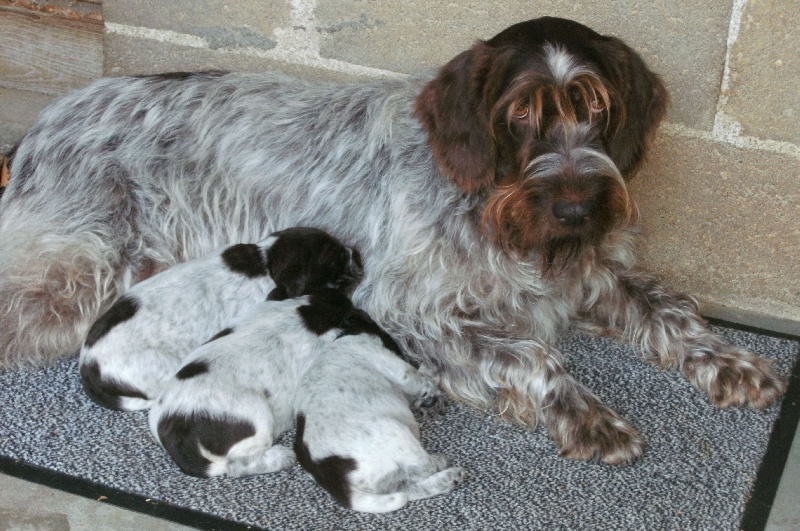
(369, 502)
(110, 393)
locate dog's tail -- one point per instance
(110, 393)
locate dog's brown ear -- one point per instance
(641, 100)
(454, 111)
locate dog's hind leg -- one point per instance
(53, 284)
(441, 482)
(273, 459)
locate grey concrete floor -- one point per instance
(26, 506)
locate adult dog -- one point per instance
(489, 202)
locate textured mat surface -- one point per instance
(698, 471)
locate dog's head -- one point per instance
(547, 120)
(302, 260)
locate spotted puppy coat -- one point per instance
(356, 433)
(234, 395)
(139, 343)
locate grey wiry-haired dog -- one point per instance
(489, 202)
(139, 343)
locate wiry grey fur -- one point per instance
(130, 175)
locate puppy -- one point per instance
(234, 395)
(139, 343)
(356, 434)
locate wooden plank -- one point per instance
(19, 109)
(74, 9)
(52, 50)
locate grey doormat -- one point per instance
(704, 468)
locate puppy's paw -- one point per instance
(279, 457)
(457, 475)
(430, 400)
(448, 479)
(426, 392)
(427, 402)
(734, 377)
(275, 458)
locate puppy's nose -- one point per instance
(572, 213)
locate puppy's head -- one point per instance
(546, 121)
(302, 260)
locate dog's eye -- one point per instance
(521, 111)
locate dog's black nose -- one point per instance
(572, 213)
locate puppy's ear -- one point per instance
(643, 98)
(291, 283)
(454, 110)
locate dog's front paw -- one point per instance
(435, 408)
(429, 398)
(734, 377)
(595, 434)
(431, 403)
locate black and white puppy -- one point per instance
(234, 395)
(356, 434)
(139, 343)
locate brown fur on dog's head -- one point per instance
(530, 90)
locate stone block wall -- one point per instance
(719, 195)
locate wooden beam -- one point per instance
(50, 47)
(73, 9)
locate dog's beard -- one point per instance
(530, 235)
(558, 253)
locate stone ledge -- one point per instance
(224, 23)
